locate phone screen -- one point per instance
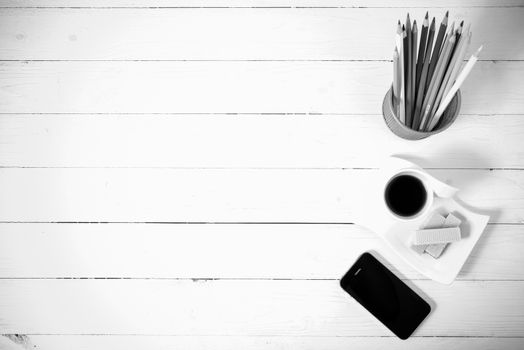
(383, 294)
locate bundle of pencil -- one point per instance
(424, 84)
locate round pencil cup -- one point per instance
(399, 129)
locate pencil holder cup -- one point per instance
(399, 129)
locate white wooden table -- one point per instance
(178, 174)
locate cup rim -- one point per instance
(429, 194)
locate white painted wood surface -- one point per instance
(326, 141)
(212, 34)
(333, 87)
(224, 195)
(67, 342)
(412, 4)
(177, 251)
(179, 174)
(246, 307)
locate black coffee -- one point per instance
(405, 195)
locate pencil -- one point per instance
(446, 36)
(447, 71)
(460, 80)
(460, 29)
(398, 37)
(464, 42)
(435, 81)
(437, 47)
(443, 41)
(396, 81)
(420, 96)
(458, 33)
(455, 56)
(399, 84)
(431, 38)
(414, 34)
(407, 74)
(402, 102)
(421, 51)
(423, 78)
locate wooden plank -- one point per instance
(247, 307)
(267, 34)
(258, 141)
(197, 251)
(257, 3)
(225, 195)
(232, 87)
(139, 342)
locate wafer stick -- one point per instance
(436, 250)
(437, 235)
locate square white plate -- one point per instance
(446, 268)
(371, 211)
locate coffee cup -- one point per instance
(408, 195)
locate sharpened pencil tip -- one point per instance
(427, 14)
(447, 13)
(476, 54)
(462, 23)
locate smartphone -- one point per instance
(383, 294)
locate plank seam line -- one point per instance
(313, 114)
(228, 60)
(202, 222)
(260, 335)
(206, 223)
(249, 168)
(250, 7)
(228, 279)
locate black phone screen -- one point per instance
(383, 294)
